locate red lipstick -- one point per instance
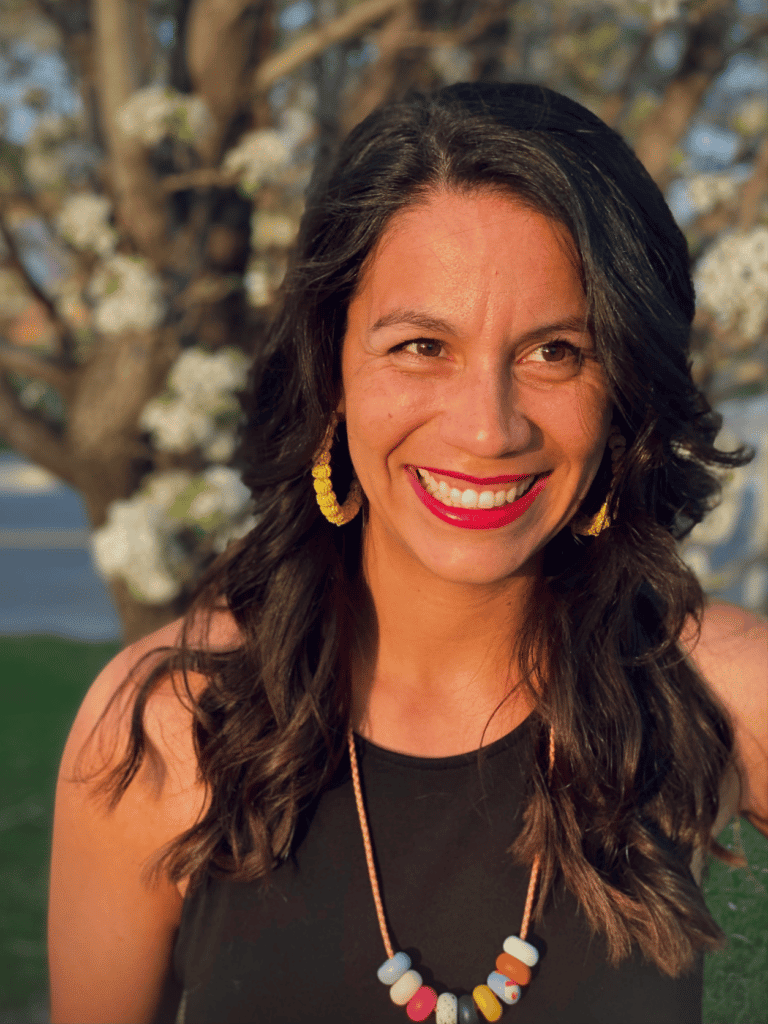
(478, 518)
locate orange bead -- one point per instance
(513, 968)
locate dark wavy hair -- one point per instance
(641, 746)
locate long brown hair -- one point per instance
(641, 746)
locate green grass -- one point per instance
(736, 979)
(43, 681)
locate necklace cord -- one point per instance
(368, 845)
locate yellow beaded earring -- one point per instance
(601, 521)
(327, 501)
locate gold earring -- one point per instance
(327, 501)
(601, 521)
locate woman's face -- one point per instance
(477, 413)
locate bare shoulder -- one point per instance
(731, 653)
(103, 899)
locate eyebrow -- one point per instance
(423, 321)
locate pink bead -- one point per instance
(422, 1003)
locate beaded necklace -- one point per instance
(513, 966)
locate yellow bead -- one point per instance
(487, 1003)
(321, 472)
(323, 487)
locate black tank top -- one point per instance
(306, 947)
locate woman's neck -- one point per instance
(434, 660)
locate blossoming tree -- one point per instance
(159, 187)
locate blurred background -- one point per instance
(153, 160)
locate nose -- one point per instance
(482, 415)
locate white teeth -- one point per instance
(470, 498)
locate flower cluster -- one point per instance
(158, 539)
(707, 191)
(259, 157)
(731, 280)
(84, 222)
(727, 550)
(157, 111)
(199, 408)
(128, 296)
(272, 230)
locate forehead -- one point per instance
(471, 251)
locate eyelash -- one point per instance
(573, 350)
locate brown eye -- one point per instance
(554, 360)
(423, 347)
(555, 352)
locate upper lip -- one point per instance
(487, 481)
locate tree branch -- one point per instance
(755, 188)
(22, 361)
(220, 42)
(704, 58)
(312, 44)
(138, 200)
(29, 436)
(201, 177)
(66, 338)
(380, 77)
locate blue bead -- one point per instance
(392, 970)
(505, 989)
(467, 1011)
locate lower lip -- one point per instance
(478, 518)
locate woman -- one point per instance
(483, 342)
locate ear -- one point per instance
(341, 408)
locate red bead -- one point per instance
(422, 1003)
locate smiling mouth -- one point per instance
(475, 497)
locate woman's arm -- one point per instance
(732, 655)
(110, 931)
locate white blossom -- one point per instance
(706, 191)
(199, 408)
(128, 295)
(134, 542)
(203, 377)
(272, 230)
(84, 222)
(296, 127)
(259, 157)
(142, 539)
(175, 426)
(257, 284)
(453, 63)
(731, 280)
(157, 111)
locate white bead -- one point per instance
(522, 950)
(447, 1009)
(405, 988)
